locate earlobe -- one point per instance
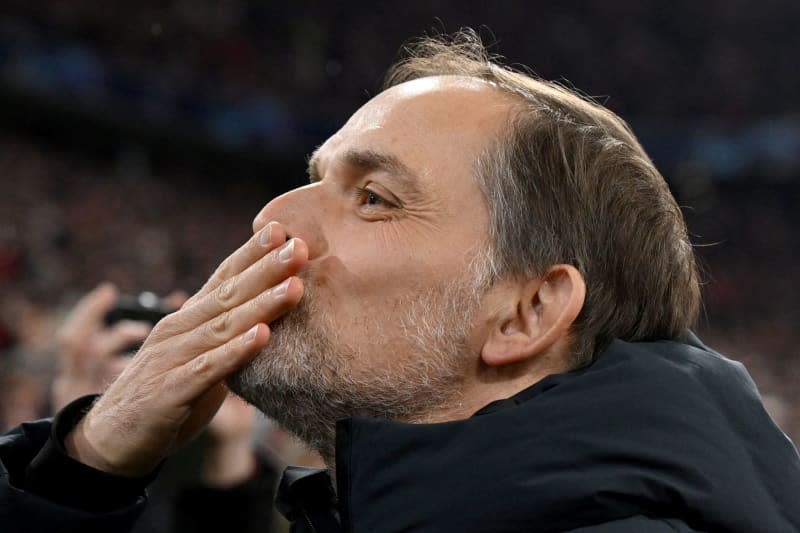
(534, 316)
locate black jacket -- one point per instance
(43, 490)
(652, 437)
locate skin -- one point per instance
(368, 238)
(368, 253)
(91, 354)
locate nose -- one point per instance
(300, 211)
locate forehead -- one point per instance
(436, 126)
(448, 102)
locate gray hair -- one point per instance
(569, 183)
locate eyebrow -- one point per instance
(370, 161)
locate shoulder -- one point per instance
(685, 368)
(638, 524)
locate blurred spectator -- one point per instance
(235, 485)
(90, 353)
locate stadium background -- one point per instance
(138, 139)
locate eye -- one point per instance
(370, 198)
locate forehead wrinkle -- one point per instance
(372, 160)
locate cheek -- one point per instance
(362, 294)
(370, 273)
(378, 258)
(364, 300)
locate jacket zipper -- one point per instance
(308, 521)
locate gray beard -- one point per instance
(304, 378)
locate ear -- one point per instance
(531, 315)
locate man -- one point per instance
(478, 314)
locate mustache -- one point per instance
(301, 314)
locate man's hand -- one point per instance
(174, 385)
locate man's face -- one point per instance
(394, 221)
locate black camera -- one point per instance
(145, 307)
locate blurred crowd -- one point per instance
(278, 75)
(68, 222)
(69, 225)
(747, 242)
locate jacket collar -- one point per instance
(637, 432)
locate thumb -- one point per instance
(87, 316)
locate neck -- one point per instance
(489, 384)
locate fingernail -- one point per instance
(286, 253)
(143, 329)
(280, 290)
(265, 239)
(250, 335)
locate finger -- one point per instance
(265, 307)
(197, 376)
(87, 315)
(234, 420)
(176, 299)
(116, 366)
(261, 276)
(266, 240)
(203, 411)
(235, 403)
(121, 337)
(233, 410)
